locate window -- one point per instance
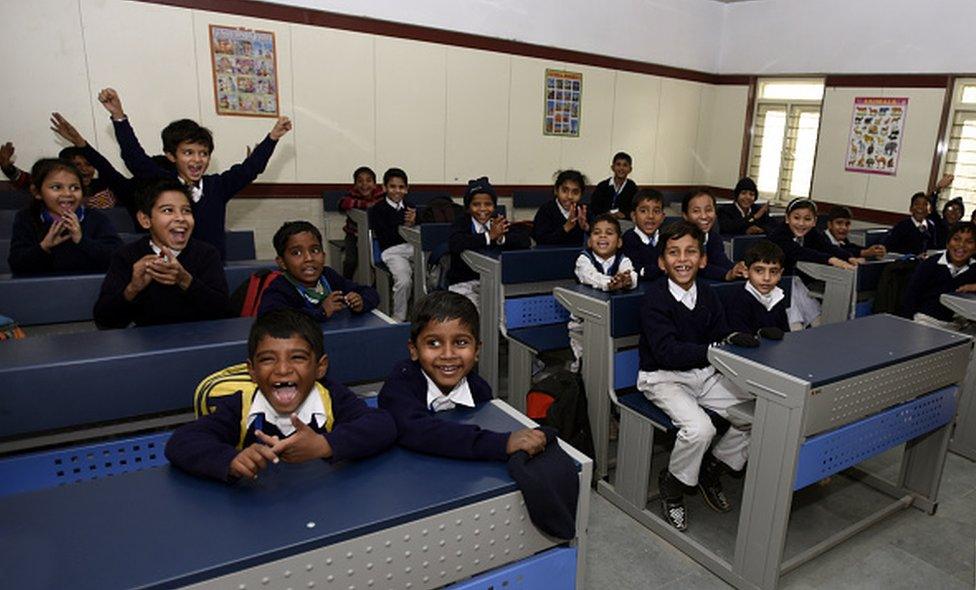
(960, 145)
(784, 137)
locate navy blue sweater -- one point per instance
(604, 195)
(404, 395)
(643, 256)
(207, 446)
(281, 294)
(744, 313)
(675, 338)
(210, 212)
(90, 255)
(463, 237)
(205, 299)
(718, 263)
(547, 227)
(385, 222)
(905, 238)
(731, 222)
(929, 281)
(816, 248)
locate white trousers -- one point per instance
(803, 309)
(575, 327)
(682, 395)
(470, 289)
(399, 260)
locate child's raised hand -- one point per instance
(281, 127)
(333, 303)
(303, 445)
(6, 155)
(140, 277)
(762, 210)
(581, 219)
(56, 234)
(252, 460)
(498, 228)
(62, 127)
(167, 270)
(571, 219)
(945, 181)
(354, 301)
(71, 224)
(112, 103)
(623, 280)
(739, 271)
(409, 216)
(530, 440)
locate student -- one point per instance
(563, 221)
(385, 219)
(915, 234)
(165, 277)
(55, 233)
(615, 194)
(439, 376)
(952, 271)
(292, 414)
(602, 266)
(743, 216)
(98, 193)
(306, 284)
(839, 228)
(479, 229)
(189, 146)
(952, 212)
(364, 194)
(760, 306)
(640, 243)
(680, 318)
(698, 207)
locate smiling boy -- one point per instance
(952, 271)
(640, 243)
(761, 303)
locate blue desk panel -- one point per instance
(539, 264)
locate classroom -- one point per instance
(835, 449)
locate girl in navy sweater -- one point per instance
(952, 271)
(698, 207)
(563, 221)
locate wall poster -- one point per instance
(245, 76)
(877, 131)
(562, 104)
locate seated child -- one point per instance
(189, 146)
(364, 194)
(306, 284)
(952, 212)
(680, 318)
(601, 266)
(55, 233)
(439, 376)
(292, 414)
(640, 243)
(614, 195)
(385, 219)
(479, 229)
(698, 207)
(165, 277)
(761, 303)
(563, 221)
(839, 227)
(915, 234)
(952, 271)
(744, 216)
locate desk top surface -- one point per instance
(962, 303)
(163, 528)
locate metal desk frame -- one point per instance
(964, 437)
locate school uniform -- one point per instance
(90, 255)
(853, 250)
(677, 327)
(413, 399)
(284, 294)
(469, 234)
(644, 251)
(718, 264)
(733, 221)
(205, 299)
(596, 272)
(608, 198)
(911, 237)
(933, 277)
(207, 446)
(813, 247)
(385, 219)
(212, 193)
(354, 200)
(941, 227)
(748, 310)
(547, 226)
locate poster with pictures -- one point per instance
(877, 132)
(244, 72)
(562, 103)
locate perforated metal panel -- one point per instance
(831, 452)
(522, 312)
(553, 570)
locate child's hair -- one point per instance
(607, 218)
(839, 212)
(801, 203)
(185, 130)
(39, 173)
(444, 306)
(395, 173)
(958, 202)
(363, 170)
(686, 200)
(764, 251)
(963, 227)
(147, 197)
(286, 323)
(291, 228)
(564, 176)
(648, 194)
(745, 184)
(918, 195)
(623, 156)
(680, 229)
(479, 186)
(72, 152)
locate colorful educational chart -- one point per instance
(562, 108)
(244, 73)
(877, 131)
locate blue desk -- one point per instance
(419, 521)
(964, 438)
(842, 288)
(134, 378)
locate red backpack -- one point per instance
(246, 299)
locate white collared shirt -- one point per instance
(484, 229)
(157, 250)
(397, 205)
(459, 396)
(588, 275)
(832, 239)
(921, 225)
(687, 298)
(954, 270)
(311, 408)
(196, 190)
(767, 301)
(565, 212)
(646, 239)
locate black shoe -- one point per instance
(709, 481)
(673, 501)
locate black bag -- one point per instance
(440, 210)
(559, 401)
(891, 286)
(246, 299)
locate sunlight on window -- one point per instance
(969, 94)
(774, 124)
(804, 152)
(792, 90)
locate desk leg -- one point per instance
(597, 362)
(490, 302)
(964, 437)
(838, 295)
(922, 464)
(519, 374)
(419, 273)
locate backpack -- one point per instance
(440, 210)
(560, 402)
(246, 299)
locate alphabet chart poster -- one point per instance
(562, 109)
(244, 72)
(877, 132)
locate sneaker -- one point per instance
(709, 481)
(672, 501)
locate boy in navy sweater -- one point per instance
(641, 242)
(563, 221)
(839, 228)
(698, 207)
(744, 216)
(439, 376)
(290, 414)
(915, 234)
(189, 146)
(385, 219)
(306, 284)
(680, 319)
(952, 271)
(615, 194)
(760, 306)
